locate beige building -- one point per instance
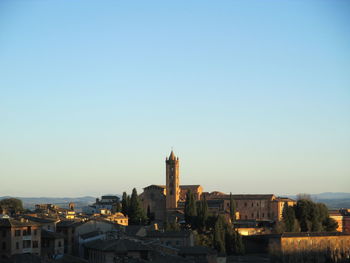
(249, 206)
(19, 237)
(118, 218)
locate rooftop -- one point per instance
(168, 234)
(117, 245)
(10, 222)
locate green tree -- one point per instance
(202, 213)
(330, 224)
(219, 234)
(313, 217)
(232, 209)
(136, 213)
(239, 246)
(125, 204)
(288, 218)
(190, 211)
(11, 205)
(303, 212)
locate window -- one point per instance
(257, 204)
(252, 204)
(252, 215)
(3, 233)
(35, 244)
(17, 245)
(35, 232)
(245, 204)
(263, 215)
(27, 232)
(59, 244)
(17, 233)
(27, 244)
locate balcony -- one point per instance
(27, 250)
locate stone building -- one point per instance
(266, 207)
(106, 205)
(342, 217)
(52, 244)
(162, 200)
(18, 237)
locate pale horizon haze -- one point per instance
(253, 96)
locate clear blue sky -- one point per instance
(254, 96)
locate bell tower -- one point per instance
(172, 181)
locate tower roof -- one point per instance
(172, 156)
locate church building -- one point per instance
(161, 200)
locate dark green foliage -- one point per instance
(204, 239)
(117, 207)
(233, 242)
(11, 205)
(210, 224)
(190, 209)
(313, 217)
(136, 213)
(289, 220)
(219, 235)
(125, 204)
(330, 225)
(304, 213)
(202, 214)
(232, 209)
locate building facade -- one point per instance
(162, 200)
(19, 237)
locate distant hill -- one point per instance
(331, 199)
(30, 202)
(330, 195)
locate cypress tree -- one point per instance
(219, 235)
(125, 204)
(202, 213)
(232, 209)
(190, 211)
(136, 213)
(288, 217)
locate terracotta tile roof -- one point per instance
(10, 222)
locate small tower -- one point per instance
(172, 181)
(71, 206)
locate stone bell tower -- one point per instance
(172, 181)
